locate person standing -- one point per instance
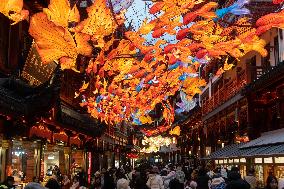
(122, 184)
(235, 180)
(180, 176)
(140, 180)
(66, 182)
(155, 181)
(52, 184)
(9, 183)
(171, 175)
(271, 182)
(108, 181)
(96, 181)
(250, 178)
(76, 183)
(218, 182)
(203, 180)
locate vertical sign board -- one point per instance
(35, 71)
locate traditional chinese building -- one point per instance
(41, 123)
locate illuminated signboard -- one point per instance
(35, 71)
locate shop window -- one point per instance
(77, 158)
(259, 174)
(19, 161)
(258, 160)
(243, 160)
(51, 161)
(279, 159)
(268, 160)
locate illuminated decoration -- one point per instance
(155, 143)
(241, 139)
(273, 20)
(75, 141)
(278, 1)
(175, 131)
(155, 131)
(132, 155)
(61, 136)
(41, 131)
(13, 9)
(54, 42)
(60, 13)
(128, 76)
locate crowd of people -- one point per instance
(154, 177)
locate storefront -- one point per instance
(233, 162)
(23, 160)
(264, 154)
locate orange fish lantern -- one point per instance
(175, 131)
(203, 12)
(269, 21)
(13, 9)
(128, 76)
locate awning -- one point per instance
(269, 144)
(226, 152)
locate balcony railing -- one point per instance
(225, 93)
(232, 87)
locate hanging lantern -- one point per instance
(62, 136)
(41, 131)
(75, 141)
(175, 131)
(132, 155)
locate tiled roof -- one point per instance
(268, 138)
(226, 152)
(269, 144)
(234, 151)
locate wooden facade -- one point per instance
(247, 100)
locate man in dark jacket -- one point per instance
(202, 179)
(8, 184)
(235, 180)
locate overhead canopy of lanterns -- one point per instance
(154, 143)
(130, 79)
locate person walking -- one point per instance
(203, 180)
(180, 176)
(171, 175)
(155, 181)
(122, 183)
(271, 182)
(235, 180)
(52, 184)
(250, 178)
(96, 181)
(108, 181)
(140, 180)
(66, 183)
(75, 183)
(218, 182)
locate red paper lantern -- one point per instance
(75, 141)
(62, 136)
(41, 131)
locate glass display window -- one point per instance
(51, 160)
(18, 162)
(279, 171)
(77, 161)
(279, 160)
(259, 175)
